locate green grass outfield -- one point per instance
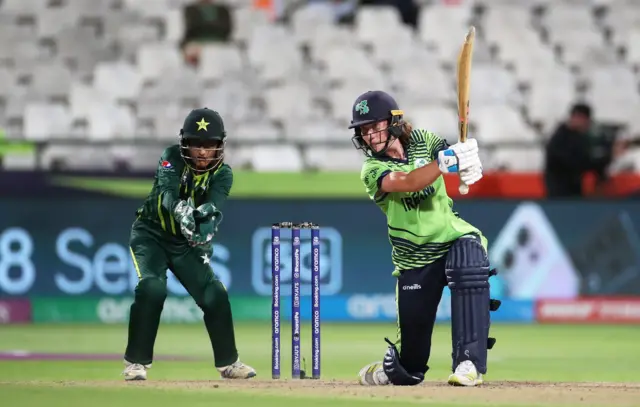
(530, 365)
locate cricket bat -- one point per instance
(464, 84)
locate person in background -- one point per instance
(408, 9)
(570, 154)
(343, 11)
(205, 21)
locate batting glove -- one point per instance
(471, 175)
(459, 157)
(183, 213)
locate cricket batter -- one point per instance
(432, 247)
(173, 230)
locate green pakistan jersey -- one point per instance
(421, 225)
(174, 181)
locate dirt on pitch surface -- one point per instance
(493, 393)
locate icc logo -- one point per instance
(420, 162)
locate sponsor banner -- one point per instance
(183, 310)
(115, 310)
(65, 309)
(15, 310)
(589, 310)
(175, 311)
(382, 307)
(58, 247)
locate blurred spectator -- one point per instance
(343, 11)
(205, 21)
(408, 9)
(572, 152)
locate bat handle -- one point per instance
(463, 188)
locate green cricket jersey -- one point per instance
(421, 225)
(174, 181)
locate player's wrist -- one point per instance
(447, 161)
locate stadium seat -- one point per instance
(50, 21)
(310, 17)
(232, 99)
(108, 121)
(435, 118)
(443, 27)
(154, 59)
(630, 161)
(552, 92)
(247, 19)
(317, 132)
(613, 92)
(528, 159)
(23, 7)
(334, 158)
(293, 100)
(501, 124)
(422, 84)
(219, 61)
(238, 156)
(50, 81)
(110, 70)
(341, 100)
(369, 19)
(492, 84)
(256, 132)
(269, 158)
(327, 37)
(119, 80)
(353, 66)
(397, 49)
(57, 123)
(8, 81)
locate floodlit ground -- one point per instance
(80, 365)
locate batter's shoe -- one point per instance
(238, 370)
(373, 375)
(466, 375)
(135, 371)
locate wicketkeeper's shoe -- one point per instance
(135, 371)
(238, 370)
(373, 375)
(466, 375)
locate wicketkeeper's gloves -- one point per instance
(207, 217)
(183, 213)
(206, 212)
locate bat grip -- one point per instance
(463, 188)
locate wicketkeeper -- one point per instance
(432, 247)
(174, 230)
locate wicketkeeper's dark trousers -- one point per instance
(153, 252)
